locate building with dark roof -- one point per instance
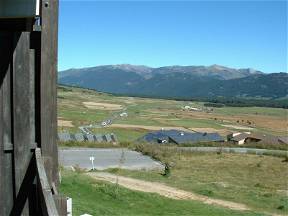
(180, 137)
(283, 140)
(248, 137)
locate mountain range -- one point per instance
(182, 82)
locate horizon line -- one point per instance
(175, 65)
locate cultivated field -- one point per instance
(78, 107)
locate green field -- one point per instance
(260, 182)
(162, 113)
(100, 198)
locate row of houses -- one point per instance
(80, 137)
(183, 137)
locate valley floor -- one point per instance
(258, 183)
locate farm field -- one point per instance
(78, 107)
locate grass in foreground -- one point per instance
(257, 181)
(100, 198)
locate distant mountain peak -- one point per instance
(219, 67)
(133, 68)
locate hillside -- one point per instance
(183, 82)
(258, 182)
(78, 106)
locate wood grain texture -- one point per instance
(49, 47)
(22, 108)
(28, 113)
(61, 204)
(47, 202)
(6, 166)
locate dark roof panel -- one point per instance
(181, 136)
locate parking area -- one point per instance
(105, 158)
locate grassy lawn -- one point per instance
(258, 181)
(100, 198)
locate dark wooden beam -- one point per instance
(23, 108)
(6, 162)
(17, 24)
(25, 188)
(47, 200)
(48, 85)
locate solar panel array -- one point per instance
(80, 137)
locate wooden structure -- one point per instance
(28, 121)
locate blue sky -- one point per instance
(238, 34)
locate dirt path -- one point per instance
(164, 190)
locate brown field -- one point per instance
(274, 123)
(222, 132)
(65, 123)
(102, 106)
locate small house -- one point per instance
(248, 137)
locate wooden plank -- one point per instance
(6, 180)
(25, 189)
(2, 173)
(48, 203)
(22, 108)
(7, 139)
(48, 85)
(61, 204)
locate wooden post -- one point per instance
(48, 87)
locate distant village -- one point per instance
(179, 137)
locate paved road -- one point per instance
(106, 158)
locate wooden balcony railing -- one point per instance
(36, 189)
